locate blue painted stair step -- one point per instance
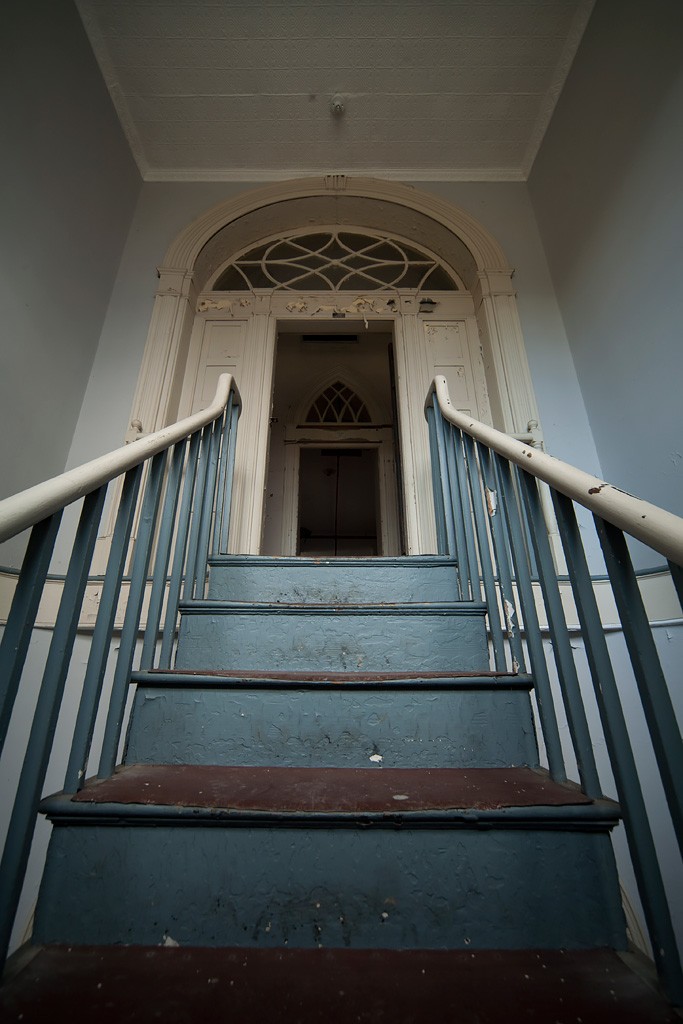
(345, 638)
(423, 578)
(466, 721)
(348, 870)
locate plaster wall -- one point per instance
(606, 189)
(68, 186)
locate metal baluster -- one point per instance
(542, 688)
(442, 506)
(495, 627)
(102, 634)
(455, 496)
(223, 468)
(559, 636)
(500, 549)
(652, 686)
(677, 577)
(204, 537)
(179, 553)
(636, 823)
(470, 547)
(131, 621)
(163, 553)
(229, 477)
(22, 615)
(23, 820)
(196, 515)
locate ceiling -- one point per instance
(434, 90)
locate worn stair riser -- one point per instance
(412, 638)
(357, 887)
(332, 728)
(333, 581)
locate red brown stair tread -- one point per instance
(135, 985)
(340, 677)
(389, 790)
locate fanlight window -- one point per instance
(335, 261)
(338, 404)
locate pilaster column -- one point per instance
(167, 342)
(505, 359)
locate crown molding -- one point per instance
(266, 174)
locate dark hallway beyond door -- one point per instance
(338, 501)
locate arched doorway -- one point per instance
(220, 306)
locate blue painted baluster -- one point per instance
(23, 820)
(470, 546)
(677, 577)
(559, 636)
(542, 687)
(455, 495)
(102, 634)
(163, 554)
(222, 470)
(180, 550)
(208, 504)
(654, 693)
(478, 508)
(443, 507)
(496, 513)
(22, 615)
(229, 477)
(196, 516)
(131, 620)
(636, 823)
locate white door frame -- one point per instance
(504, 358)
(378, 438)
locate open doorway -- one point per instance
(338, 502)
(332, 487)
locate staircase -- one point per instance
(329, 803)
(331, 764)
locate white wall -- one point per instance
(68, 185)
(606, 189)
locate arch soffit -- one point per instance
(485, 252)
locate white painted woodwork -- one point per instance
(497, 358)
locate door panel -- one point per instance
(453, 353)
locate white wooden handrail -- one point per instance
(654, 526)
(29, 507)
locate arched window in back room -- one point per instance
(338, 404)
(335, 260)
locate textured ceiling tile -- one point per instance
(224, 85)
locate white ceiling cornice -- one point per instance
(263, 174)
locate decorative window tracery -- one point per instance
(338, 404)
(335, 261)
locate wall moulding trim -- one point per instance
(486, 252)
(408, 174)
(655, 585)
